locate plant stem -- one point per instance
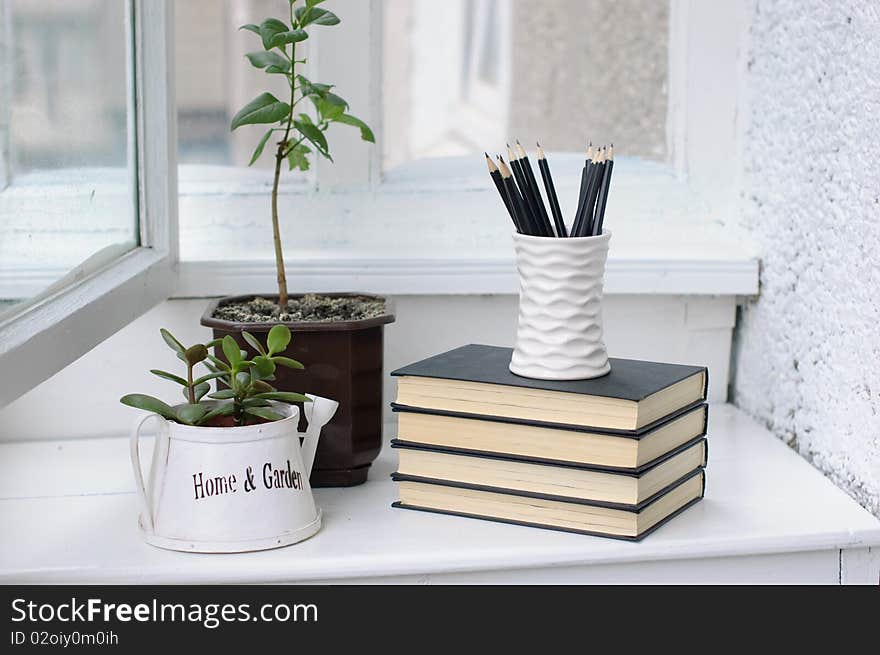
(189, 387)
(280, 153)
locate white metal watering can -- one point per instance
(226, 490)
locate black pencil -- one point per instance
(534, 191)
(516, 200)
(529, 202)
(586, 176)
(592, 194)
(603, 194)
(551, 193)
(495, 174)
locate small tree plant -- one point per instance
(296, 131)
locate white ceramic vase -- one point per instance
(226, 490)
(559, 333)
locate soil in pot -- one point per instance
(310, 307)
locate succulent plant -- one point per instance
(245, 395)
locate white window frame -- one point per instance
(703, 144)
(45, 337)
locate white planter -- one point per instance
(559, 333)
(225, 490)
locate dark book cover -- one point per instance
(629, 379)
(592, 533)
(627, 434)
(630, 472)
(403, 477)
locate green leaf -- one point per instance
(219, 363)
(149, 403)
(308, 15)
(273, 59)
(265, 108)
(253, 342)
(311, 132)
(293, 36)
(286, 396)
(269, 28)
(195, 354)
(312, 3)
(308, 88)
(263, 412)
(331, 106)
(213, 343)
(262, 387)
(263, 367)
(223, 394)
(168, 376)
(250, 27)
(366, 132)
(173, 343)
(297, 157)
(259, 149)
(223, 410)
(287, 361)
(190, 414)
(200, 390)
(278, 339)
(210, 376)
(230, 349)
(255, 402)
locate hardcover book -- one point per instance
(541, 442)
(535, 510)
(557, 482)
(474, 380)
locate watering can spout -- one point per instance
(318, 414)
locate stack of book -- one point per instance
(615, 456)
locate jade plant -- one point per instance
(246, 395)
(295, 132)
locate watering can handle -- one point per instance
(318, 414)
(138, 475)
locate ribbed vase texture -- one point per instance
(559, 334)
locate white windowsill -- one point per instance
(762, 501)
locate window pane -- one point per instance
(214, 80)
(67, 198)
(561, 71)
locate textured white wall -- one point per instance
(808, 360)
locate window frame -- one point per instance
(48, 335)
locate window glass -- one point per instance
(67, 174)
(461, 76)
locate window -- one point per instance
(570, 72)
(87, 212)
(440, 82)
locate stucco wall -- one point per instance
(808, 350)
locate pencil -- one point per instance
(499, 184)
(592, 193)
(516, 200)
(603, 194)
(528, 202)
(551, 193)
(586, 177)
(534, 191)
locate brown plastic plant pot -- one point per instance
(343, 361)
